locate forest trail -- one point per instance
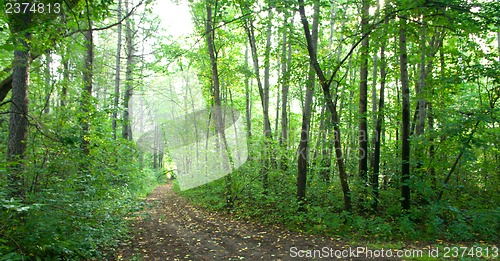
(173, 229)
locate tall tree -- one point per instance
(363, 96)
(331, 104)
(129, 79)
(216, 87)
(267, 68)
(303, 150)
(263, 89)
(498, 39)
(48, 81)
(420, 125)
(66, 75)
(18, 124)
(116, 98)
(379, 123)
(66, 69)
(250, 30)
(248, 96)
(405, 107)
(86, 96)
(286, 60)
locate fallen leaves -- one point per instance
(172, 229)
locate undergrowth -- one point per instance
(324, 215)
(74, 206)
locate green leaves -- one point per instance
(14, 205)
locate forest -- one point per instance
(368, 121)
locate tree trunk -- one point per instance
(405, 128)
(430, 116)
(277, 119)
(374, 88)
(267, 68)
(64, 88)
(325, 128)
(378, 127)
(255, 57)
(285, 62)
(129, 79)
(374, 105)
(285, 124)
(363, 98)
(117, 70)
(332, 107)
(420, 126)
(324, 145)
(248, 97)
(48, 80)
(219, 121)
(66, 72)
(263, 92)
(86, 95)
(268, 151)
(397, 125)
(18, 124)
(155, 146)
(87, 90)
(419, 154)
(303, 150)
(5, 87)
(498, 40)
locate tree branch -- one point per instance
(6, 83)
(107, 26)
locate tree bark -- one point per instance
(66, 72)
(18, 124)
(267, 68)
(5, 87)
(375, 67)
(255, 58)
(263, 91)
(498, 40)
(420, 126)
(248, 97)
(284, 103)
(285, 61)
(303, 150)
(86, 95)
(155, 146)
(405, 128)
(363, 98)
(332, 107)
(378, 126)
(117, 70)
(129, 79)
(48, 81)
(268, 150)
(278, 108)
(219, 121)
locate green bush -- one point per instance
(75, 205)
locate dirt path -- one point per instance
(175, 230)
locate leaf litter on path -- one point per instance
(173, 229)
